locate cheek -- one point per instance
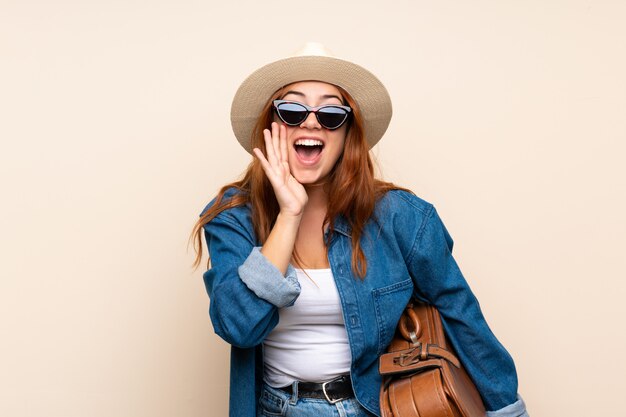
(339, 138)
(338, 146)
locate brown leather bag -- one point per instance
(422, 376)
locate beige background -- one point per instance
(509, 116)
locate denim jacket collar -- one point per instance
(342, 226)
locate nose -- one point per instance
(311, 122)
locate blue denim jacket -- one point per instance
(408, 251)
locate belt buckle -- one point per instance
(326, 394)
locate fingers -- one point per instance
(259, 154)
(284, 158)
(276, 140)
(270, 150)
(274, 173)
(276, 144)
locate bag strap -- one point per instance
(423, 352)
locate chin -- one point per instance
(309, 179)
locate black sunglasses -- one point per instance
(330, 116)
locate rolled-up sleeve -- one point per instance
(245, 289)
(267, 282)
(517, 409)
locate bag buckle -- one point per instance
(418, 353)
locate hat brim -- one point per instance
(367, 91)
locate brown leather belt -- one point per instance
(332, 391)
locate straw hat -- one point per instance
(315, 63)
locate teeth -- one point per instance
(309, 142)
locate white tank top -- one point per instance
(310, 342)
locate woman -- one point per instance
(313, 259)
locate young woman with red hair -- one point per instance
(313, 259)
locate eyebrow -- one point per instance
(325, 96)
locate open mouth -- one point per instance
(308, 149)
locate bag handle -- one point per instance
(415, 331)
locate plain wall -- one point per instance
(509, 116)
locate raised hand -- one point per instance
(291, 195)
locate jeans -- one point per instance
(275, 402)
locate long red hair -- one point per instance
(352, 188)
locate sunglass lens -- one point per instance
(332, 117)
(292, 113)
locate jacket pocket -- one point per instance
(390, 302)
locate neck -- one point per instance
(318, 198)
